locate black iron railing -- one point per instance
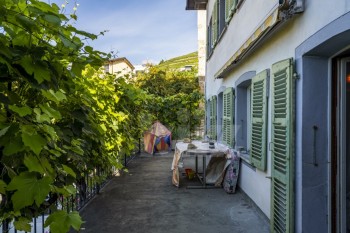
(137, 151)
(86, 188)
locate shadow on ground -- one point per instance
(144, 201)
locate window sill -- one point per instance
(245, 158)
(221, 34)
(209, 55)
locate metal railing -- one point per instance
(86, 188)
(137, 151)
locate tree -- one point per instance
(60, 116)
(176, 97)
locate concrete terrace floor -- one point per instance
(145, 201)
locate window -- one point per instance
(228, 118)
(209, 39)
(248, 126)
(215, 25)
(220, 17)
(230, 6)
(106, 67)
(243, 96)
(252, 117)
(222, 22)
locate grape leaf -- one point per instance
(4, 130)
(23, 224)
(51, 131)
(29, 188)
(40, 71)
(41, 118)
(2, 187)
(13, 146)
(52, 19)
(54, 96)
(103, 127)
(50, 111)
(33, 164)
(35, 142)
(60, 221)
(67, 190)
(22, 111)
(69, 170)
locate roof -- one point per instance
(159, 129)
(196, 4)
(120, 60)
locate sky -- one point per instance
(140, 30)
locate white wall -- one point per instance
(121, 67)
(202, 41)
(279, 46)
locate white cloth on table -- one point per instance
(216, 167)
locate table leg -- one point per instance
(203, 179)
(204, 166)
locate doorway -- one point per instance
(341, 146)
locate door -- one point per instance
(343, 187)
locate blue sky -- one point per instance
(139, 30)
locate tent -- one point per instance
(157, 138)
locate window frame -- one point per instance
(220, 18)
(242, 118)
(209, 39)
(106, 68)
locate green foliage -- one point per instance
(60, 116)
(175, 98)
(29, 189)
(175, 63)
(2, 187)
(61, 221)
(23, 224)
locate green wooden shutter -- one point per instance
(233, 6)
(215, 24)
(210, 36)
(228, 4)
(213, 117)
(282, 219)
(230, 7)
(228, 117)
(258, 129)
(207, 116)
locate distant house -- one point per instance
(186, 68)
(119, 66)
(140, 69)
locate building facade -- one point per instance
(119, 66)
(278, 90)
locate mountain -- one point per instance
(180, 62)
